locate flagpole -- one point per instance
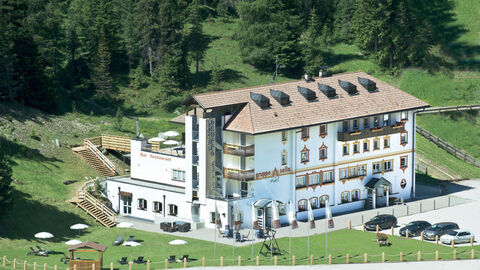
(326, 234)
(215, 235)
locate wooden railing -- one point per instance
(369, 133)
(93, 148)
(235, 174)
(448, 147)
(84, 195)
(449, 109)
(95, 140)
(114, 142)
(239, 150)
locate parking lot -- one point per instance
(465, 215)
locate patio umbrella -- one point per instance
(43, 235)
(177, 242)
(131, 244)
(79, 226)
(157, 139)
(73, 242)
(171, 142)
(171, 133)
(125, 225)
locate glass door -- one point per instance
(127, 205)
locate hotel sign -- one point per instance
(155, 156)
(274, 175)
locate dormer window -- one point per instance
(261, 100)
(355, 124)
(280, 96)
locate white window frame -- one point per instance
(142, 204)
(160, 207)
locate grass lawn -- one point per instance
(155, 248)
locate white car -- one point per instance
(457, 237)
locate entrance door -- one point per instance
(260, 217)
(268, 217)
(127, 205)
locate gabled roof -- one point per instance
(88, 244)
(255, 120)
(376, 182)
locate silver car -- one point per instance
(457, 237)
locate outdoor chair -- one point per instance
(118, 241)
(131, 238)
(172, 258)
(185, 257)
(139, 260)
(123, 261)
(65, 259)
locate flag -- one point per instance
(310, 216)
(328, 215)
(275, 215)
(254, 218)
(218, 220)
(291, 217)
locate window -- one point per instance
(345, 126)
(355, 124)
(323, 152)
(284, 136)
(314, 202)
(356, 147)
(377, 168)
(366, 146)
(305, 155)
(345, 149)
(157, 207)
(304, 133)
(313, 179)
(352, 172)
(362, 170)
(403, 162)
(376, 121)
(327, 177)
(323, 130)
(376, 144)
(284, 158)
(387, 166)
(178, 175)
(386, 142)
(403, 138)
(300, 181)
(173, 210)
(345, 197)
(212, 217)
(343, 173)
(323, 201)
(366, 122)
(244, 189)
(302, 205)
(404, 115)
(142, 204)
(385, 120)
(355, 195)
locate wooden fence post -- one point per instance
(14, 263)
(111, 265)
(454, 254)
(239, 260)
(55, 267)
(275, 260)
(311, 259)
(329, 259)
(148, 264)
(436, 239)
(349, 224)
(453, 244)
(347, 260)
(473, 253)
(471, 242)
(45, 267)
(4, 261)
(393, 232)
(166, 263)
(293, 260)
(383, 257)
(184, 262)
(377, 228)
(258, 260)
(419, 256)
(421, 236)
(24, 265)
(401, 256)
(130, 265)
(406, 233)
(365, 260)
(436, 255)
(203, 261)
(221, 260)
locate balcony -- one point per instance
(236, 174)
(369, 133)
(239, 150)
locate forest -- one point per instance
(55, 54)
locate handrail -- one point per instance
(100, 156)
(97, 204)
(116, 142)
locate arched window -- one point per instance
(355, 195)
(314, 202)
(345, 197)
(323, 201)
(302, 205)
(142, 204)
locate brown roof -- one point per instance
(300, 112)
(88, 244)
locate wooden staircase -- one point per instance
(95, 208)
(94, 161)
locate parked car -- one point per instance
(383, 222)
(415, 228)
(457, 237)
(439, 229)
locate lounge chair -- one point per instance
(123, 261)
(172, 258)
(118, 241)
(185, 257)
(65, 259)
(139, 260)
(131, 238)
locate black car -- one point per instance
(439, 229)
(383, 222)
(415, 228)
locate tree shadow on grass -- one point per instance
(12, 149)
(29, 216)
(21, 113)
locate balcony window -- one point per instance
(345, 126)
(323, 130)
(157, 207)
(376, 121)
(345, 197)
(355, 195)
(243, 189)
(300, 181)
(366, 122)
(403, 138)
(387, 166)
(386, 142)
(327, 177)
(355, 124)
(173, 209)
(385, 120)
(404, 115)
(142, 204)
(178, 175)
(304, 133)
(313, 179)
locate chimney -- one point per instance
(307, 77)
(323, 72)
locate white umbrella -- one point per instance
(171, 142)
(131, 244)
(171, 133)
(73, 242)
(79, 226)
(43, 235)
(177, 242)
(157, 139)
(125, 225)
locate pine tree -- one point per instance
(6, 196)
(101, 69)
(312, 53)
(197, 41)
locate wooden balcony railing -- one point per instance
(235, 174)
(369, 133)
(239, 150)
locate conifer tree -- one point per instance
(197, 42)
(312, 52)
(101, 68)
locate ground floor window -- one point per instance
(212, 217)
(345, 197)
(142, 204)
(302, 205)
(314, 202)
(157, 207)
(173, 210)
(355, 195)
(323, 201)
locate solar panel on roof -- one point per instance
(327, 90)
(348, 86)
(370, 85)
(261, 100)
(307, 93)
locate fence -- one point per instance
(449, 109)
(448, 147)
